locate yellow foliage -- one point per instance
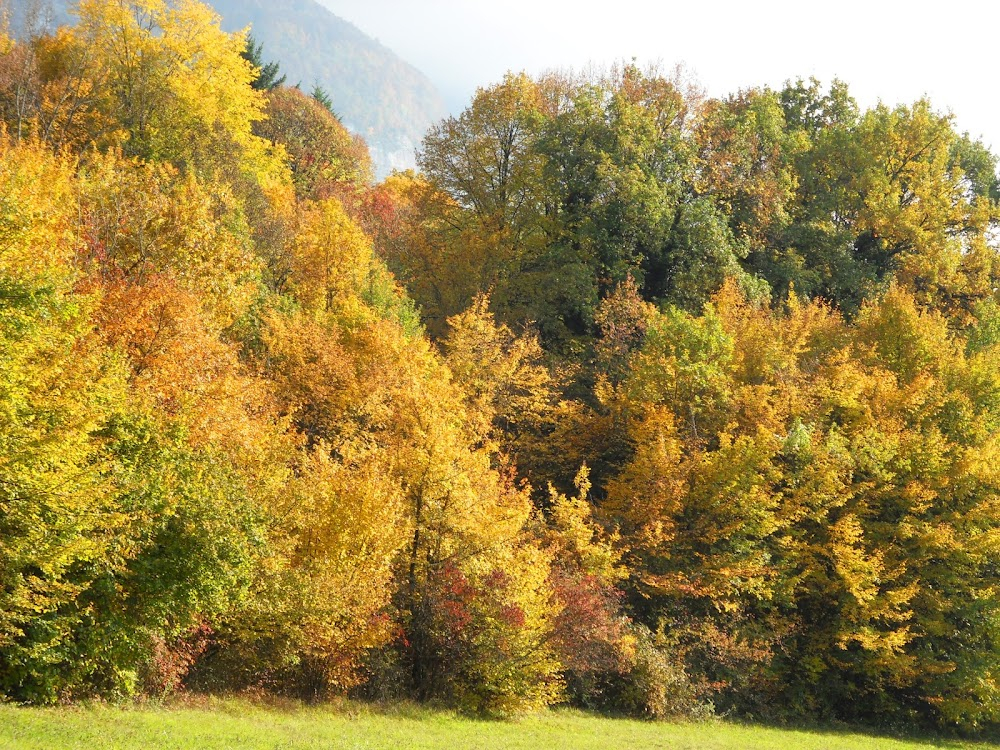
(576, 538)
(506, 385)
(345, 523)
(37, 212)
(159, 80)
(144, 220)
(331, 259)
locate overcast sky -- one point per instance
(889, 50)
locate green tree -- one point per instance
(882, 195)
(267, 72)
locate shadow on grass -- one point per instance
(943, 739)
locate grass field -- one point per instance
(234, 724)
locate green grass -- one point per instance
(218, 724)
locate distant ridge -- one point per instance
(376, 93)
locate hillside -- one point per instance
(376, 94)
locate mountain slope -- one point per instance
(376, 93)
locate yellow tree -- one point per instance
(340, 523)
(57, 387)
(158, 79)
(509, 392)
(331, 257)
(143, 221)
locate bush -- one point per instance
(655, 685)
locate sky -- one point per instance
(886, 50)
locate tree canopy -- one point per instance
(630, 398)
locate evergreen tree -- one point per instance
(267, 77)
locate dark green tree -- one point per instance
(267, 78)
(320, 95)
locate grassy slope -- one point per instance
(232, 724)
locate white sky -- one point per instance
(890, 50)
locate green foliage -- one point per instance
(267, 72)
(56, 520)
(655, 684)
(323, 99)
(597, 180)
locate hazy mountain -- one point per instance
(376, 93)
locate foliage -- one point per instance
(655, 684)
(785, 505)
(267, 72)
(56, 387)
(699, 406)
(507, 388)
(323, 156)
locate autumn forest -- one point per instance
(628, 398)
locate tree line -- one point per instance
(631, 398)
